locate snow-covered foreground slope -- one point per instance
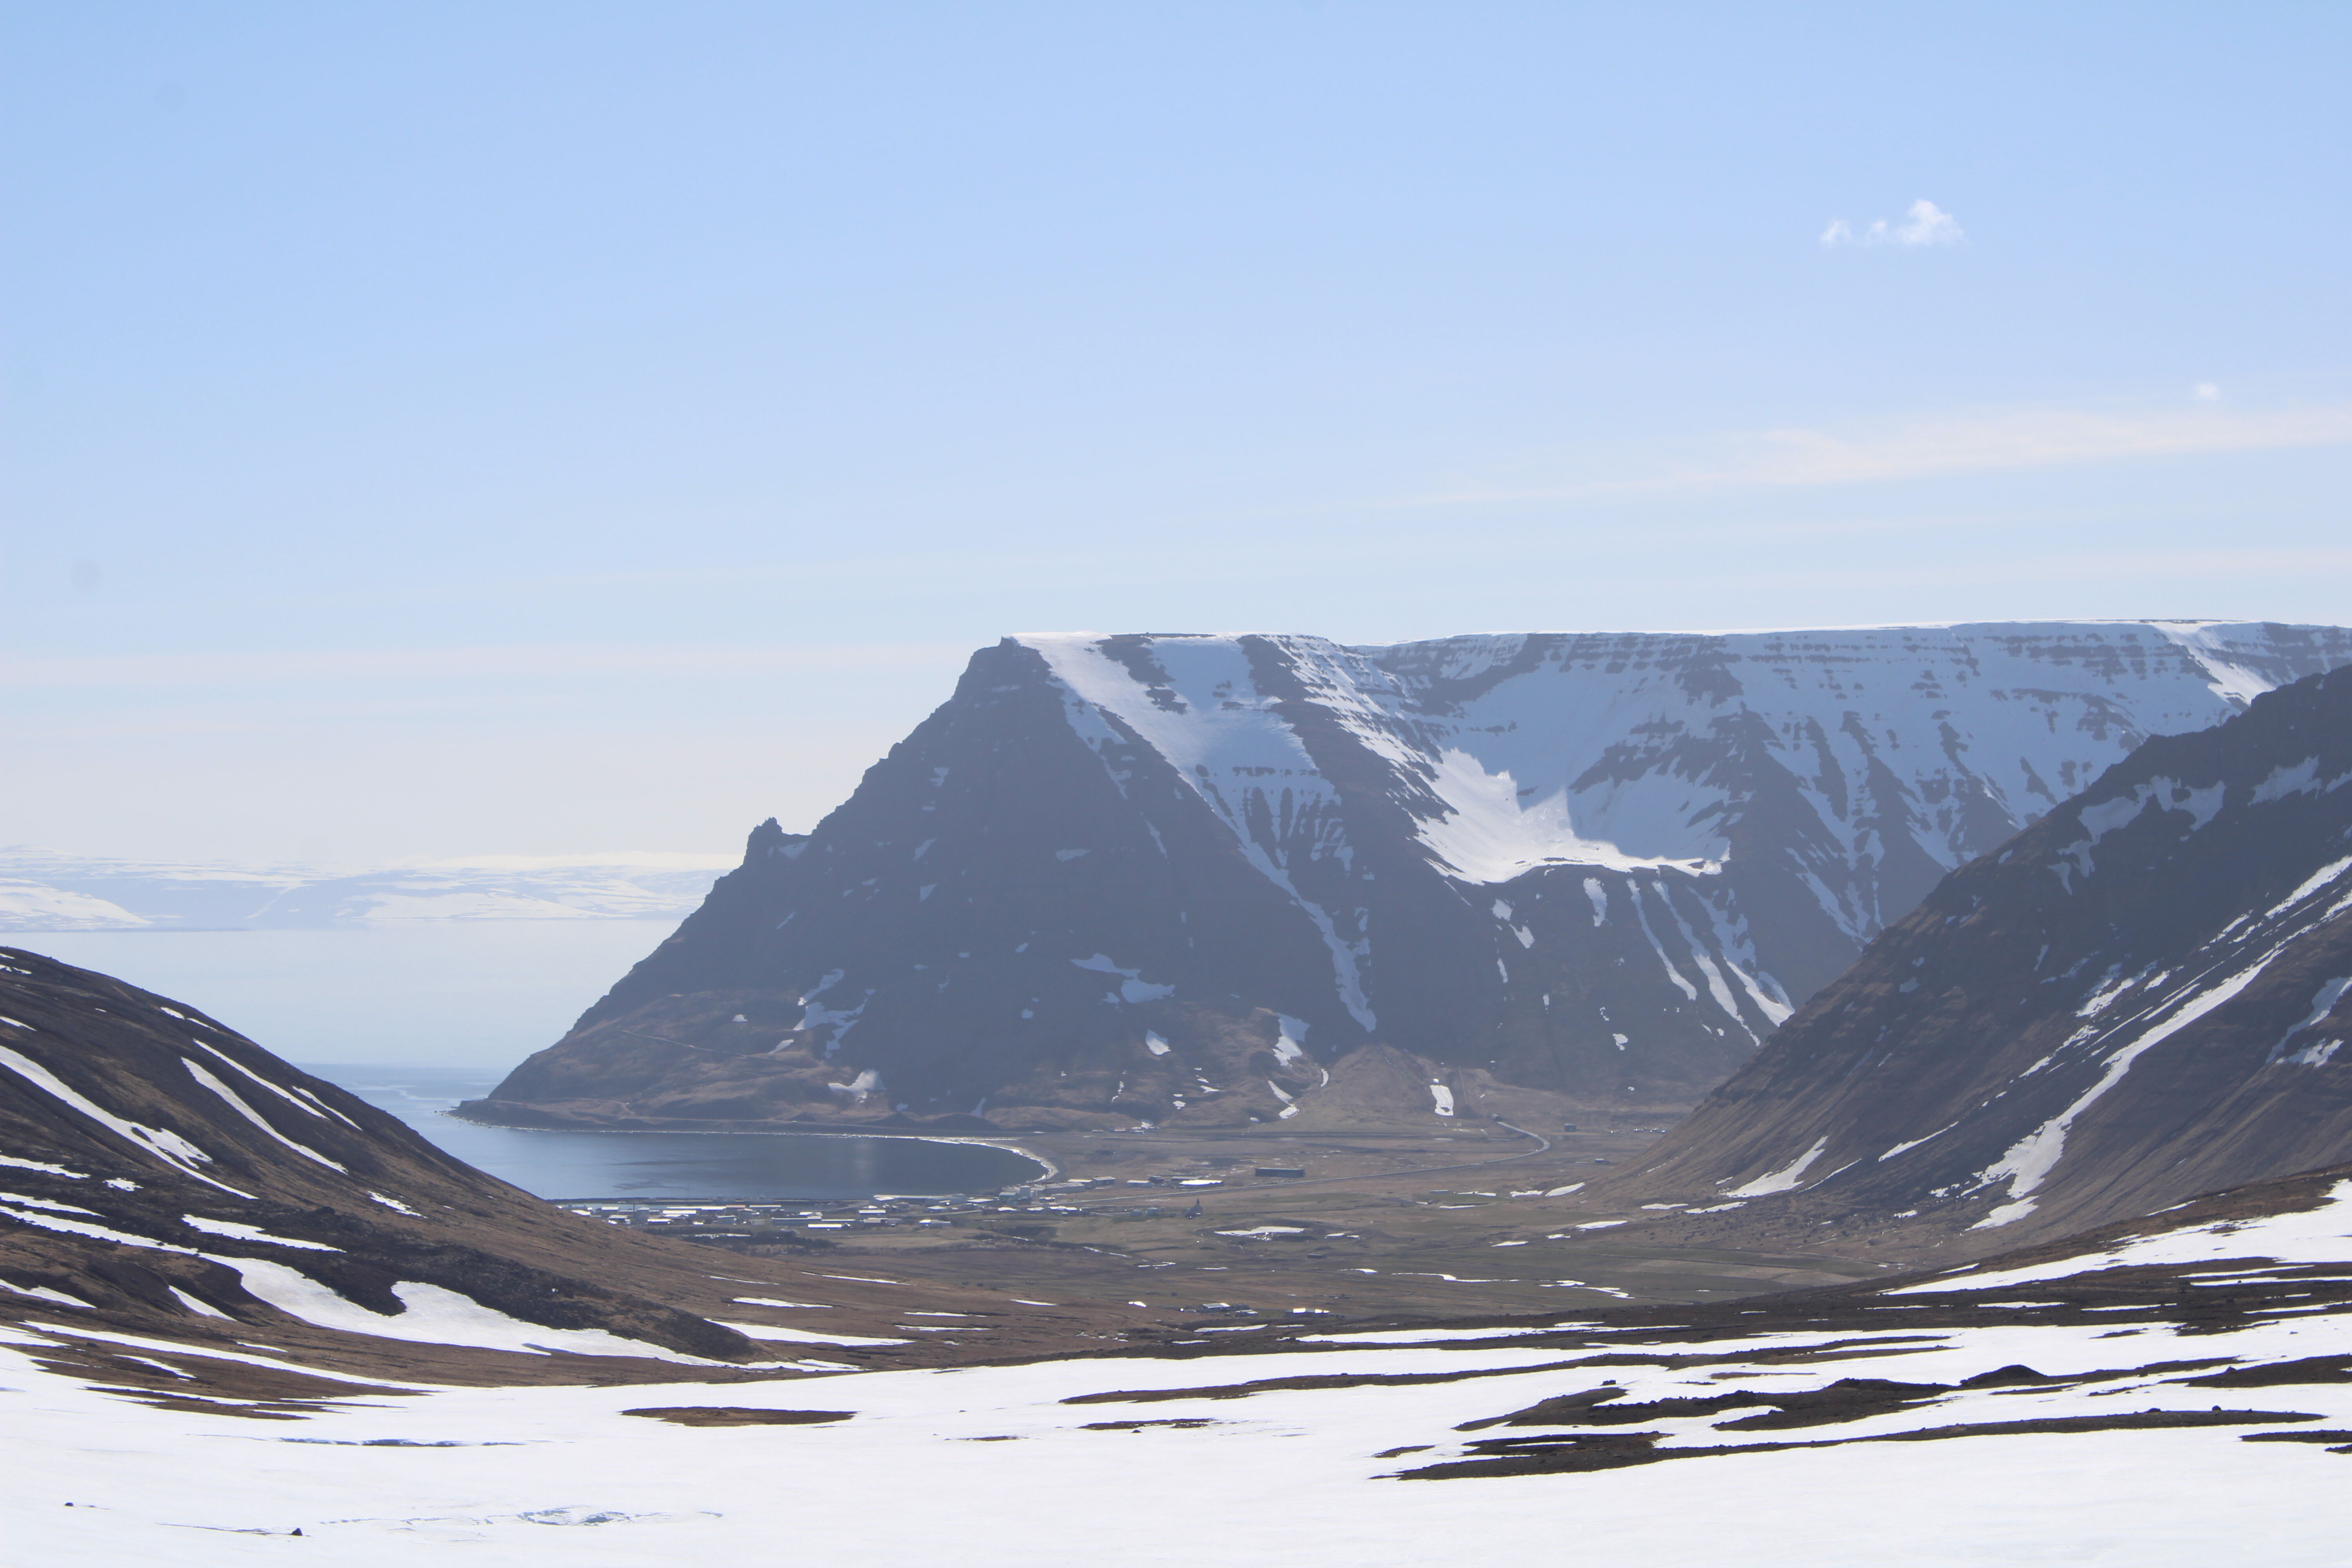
(2142, 997)
(237, 1304)
(1604, 865)
(2171, 1395)
(45, 890)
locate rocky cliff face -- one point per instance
(1144, 878)
(2141, 998)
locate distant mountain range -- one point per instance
(1163, 876)
(45, 891)
(2141, 998)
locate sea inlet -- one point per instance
(747, 1167)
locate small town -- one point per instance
(720, 1221)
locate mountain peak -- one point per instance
(1600, 864)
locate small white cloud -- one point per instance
(2208, 393)
(1928, 225)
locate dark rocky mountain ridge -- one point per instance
(163, 1177)
(149, 1151)
(2139, 999)
(1178, 879)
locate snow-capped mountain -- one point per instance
(42, 890)
(2141, 998)
(1135, 876)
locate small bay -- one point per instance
(748, 1167)
(414, 1016)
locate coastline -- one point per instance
(1048, 1168)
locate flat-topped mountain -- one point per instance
(1151, 878)
(2139, 999)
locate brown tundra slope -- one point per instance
(165, 1178)
(2139, 999)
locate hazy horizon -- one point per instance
(436, 431)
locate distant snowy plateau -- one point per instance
(45, 891)
(1155, 878)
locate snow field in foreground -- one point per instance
(1286, 1478)
(2321, 1234)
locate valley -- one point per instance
(2079, 1383)
(1368, 1234)
(2052, 1174)
(791, 785)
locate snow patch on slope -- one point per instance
(2207, 642)
(2309, 1236)
(1133, 987)
(162, 1144)
(2316, 1052)
(301, 1098)
(2030, 1159)
(1223, 739)
(2109, 816)
(1487, 836)
(230, 1098)
(804, 1336)
(1786, 1178)
(239, 1231)
(433, 1315)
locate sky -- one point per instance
(442, 429)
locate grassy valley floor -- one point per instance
(1386, 1224)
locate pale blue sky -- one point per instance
(436, 429)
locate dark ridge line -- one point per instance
(736, 1416)
(1616, 1450)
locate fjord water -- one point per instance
(455, 993)
(749, 1166)
(415, 1017)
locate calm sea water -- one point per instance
(455, 993)
(751, 1167)
(415, 1018)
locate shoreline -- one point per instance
(1048, 1168)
